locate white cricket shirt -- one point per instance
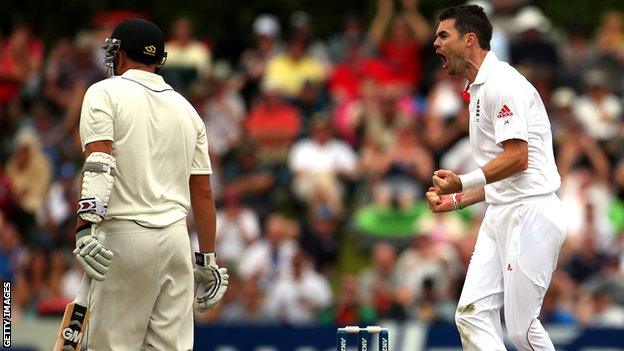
(159, 140)
(504, 106)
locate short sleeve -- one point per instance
(508, 108)
(201, 160)
(97, 120)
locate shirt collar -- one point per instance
(488, 64)
(149, 80)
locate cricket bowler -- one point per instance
(524, 225)
(146, 165)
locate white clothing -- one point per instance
(524, 226)
(298, 301)
(223, 122)
(459, 157)
(192, 55)
(148, 292)
(233, 233)
(260, 259)
(309, 156)
(512, 264)
(504, 106)
(599, 119)
(159, 140)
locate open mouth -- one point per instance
(444, 60)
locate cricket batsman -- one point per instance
(146, 165)
(523, 228)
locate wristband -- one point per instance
(457, 205)
(205, 259)
(472, 180)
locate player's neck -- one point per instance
(473, 63)
(137, 66)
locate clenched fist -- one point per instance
(439, 203)
(446, 182)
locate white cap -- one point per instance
(531, 17)
(266, 25)
(563, 97)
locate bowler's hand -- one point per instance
(439, 203)
(446, 182)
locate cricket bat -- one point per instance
(75, 320)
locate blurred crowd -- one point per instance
(322, 150)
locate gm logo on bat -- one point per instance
(71, 335)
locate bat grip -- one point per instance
(83, 291)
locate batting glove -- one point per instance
(210, 281)
(92, 256)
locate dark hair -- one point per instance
(470, 19)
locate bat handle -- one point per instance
(83, 291)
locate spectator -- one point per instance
(300, 293)
(318, 163)
(237, 227)
(559, 303)
(21, 57)
(224, 112)
(610, 34)
(273, 125)
(425, 274)
(599, 110)
(30, 175)
(253, 61)
(57, 212)
(576, 53)
(345, 82)
(392, 113)
(12, 253)
(500, 41)
(188, 59)
(320, 240)
(70, 69)
(587, 201)
(301, 26)
(446, 118)
(608, 48)
(290, 71)
(610, 279)
(352, 34)
(350, 309)
(401, 48)
(606, 313)
(249, 307)
(380, 282)
(407, 166)
(531, 48)
(268, 257)
(586, 261)
(254, 180)
(7, 205)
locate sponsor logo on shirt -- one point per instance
(504, 112)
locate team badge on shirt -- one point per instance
(504, 112)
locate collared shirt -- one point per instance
(504, 106)
(159, 140)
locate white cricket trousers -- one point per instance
(146, 301)
(512, 264)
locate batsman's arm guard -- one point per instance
(98, 177)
